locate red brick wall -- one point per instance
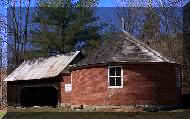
(65, 97)
(89, 86)
(143, 84)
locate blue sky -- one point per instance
(106, 3)
(111, 3)
(186, 1)
(103, 3)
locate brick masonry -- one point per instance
(65, 97)
(144, 84)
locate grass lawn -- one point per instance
(2, 114)
(62, 113)
(97, 115)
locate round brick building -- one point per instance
(125, 72)
(120, 72)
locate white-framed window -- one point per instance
(115, 77)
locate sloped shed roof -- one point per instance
(42, 68)
(122, 47)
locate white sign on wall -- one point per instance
(68, 87)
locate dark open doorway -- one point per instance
(39, 96)
(186, 101)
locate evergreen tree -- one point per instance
(65, 26)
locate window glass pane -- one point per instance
(112, 71)
(118, 71)
(112, 81)
(118, 81)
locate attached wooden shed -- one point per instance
(121, 72)
(36, 82)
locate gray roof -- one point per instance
(42, 67)
(121, 47)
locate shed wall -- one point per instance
(14, 89)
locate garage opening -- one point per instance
(185, 100)
(39, 96)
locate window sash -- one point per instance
(115, 77)
(116, 71)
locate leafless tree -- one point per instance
(158, 23)
(3, 84)
(18, 27)
(149, 3)
(165, 30)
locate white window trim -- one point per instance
(71, 81)
(115, 76)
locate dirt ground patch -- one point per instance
(68, 109)
(51, 109)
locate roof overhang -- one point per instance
(75, 67)
(42, 68)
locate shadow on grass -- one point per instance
(54, 113)
(96, 115)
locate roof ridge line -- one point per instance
(38, 58)
(146, 47)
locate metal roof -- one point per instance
(42, 68)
